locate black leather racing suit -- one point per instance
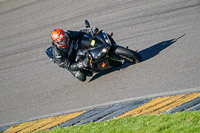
(66, 57)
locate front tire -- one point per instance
(128, 54)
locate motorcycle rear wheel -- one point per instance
(128, 54)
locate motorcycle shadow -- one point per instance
(146, 54)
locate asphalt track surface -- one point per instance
(166, 34)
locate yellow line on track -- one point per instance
(160, 105)
(43, 124)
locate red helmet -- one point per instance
(60, 38)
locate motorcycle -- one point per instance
(103, 53)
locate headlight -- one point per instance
(108, 41)
(104, 50)
(106, 38)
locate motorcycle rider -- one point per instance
(65, 49)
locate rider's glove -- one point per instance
(94, 30)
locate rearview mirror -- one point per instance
(87, 24)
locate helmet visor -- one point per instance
(63, 41)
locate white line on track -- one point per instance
(184, 91)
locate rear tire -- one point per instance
(128, 54)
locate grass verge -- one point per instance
(182, 122)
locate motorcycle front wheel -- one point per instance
(128, 54)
